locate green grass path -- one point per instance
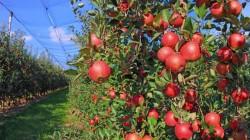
(38, 120)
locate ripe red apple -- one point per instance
(198, 38)
(219, 132)
(240, 95)
(99, 71)
(123, 6)
(132, 136)
(190, 95)
(163, 53)
(176, 20)
(234, 7)
(191, 51)
(236, 59)
(205, 134)
(148, 19)
(217, 9)
(140, 119)
(153, 114)
(96, 119)
(163, 24)
(126, 124)
(196, 125)
(222, 84)
(147, 137)
(138, 100)
(223, 69)
(234, 124)
(175, 62)
(111, 93)
(172, 90)
(125, 117)
(170, 119)
(92, 122)
(95, 41)
(212, 119)
(183, 131)
(188, 106)
(224, 54)
(123, 95)
(236, 40)
(170, 39)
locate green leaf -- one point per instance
(212, 72)
(156, 35)
(195, 26)
(246, 23)
(92, 12)
(165, 14)
(232, 19)
(85, 52)
(77, 77)
(157, 20)
(209, 25)
(201, 11)
(210, 38)
(188, 25)
(152, 121)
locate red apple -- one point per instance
(234, 7)
(224, 54)
(212, 119)
(176, 20)
(170, 39)
(172, 90)
(170, 119)
(175, 62)
(99, 71)
(163, 53)
(191, 51)
(198, 38)
(148, 19)
(236, 40)
(95, 41)
(217, 9)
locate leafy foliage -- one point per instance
(130, 47)
(22, 74)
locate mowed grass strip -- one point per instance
(38, 120)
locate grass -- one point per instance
(38, 120)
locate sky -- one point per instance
(41, 34)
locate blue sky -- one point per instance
(33, 15)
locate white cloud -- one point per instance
(56, 33)
(27, 37)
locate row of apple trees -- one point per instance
(22, 74)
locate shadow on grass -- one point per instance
(38, 120)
